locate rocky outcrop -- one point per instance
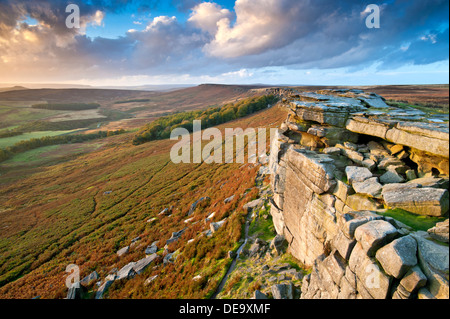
(331, 195)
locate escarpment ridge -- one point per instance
(356, 185)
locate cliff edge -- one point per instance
(360, 192)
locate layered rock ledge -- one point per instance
(343, 162)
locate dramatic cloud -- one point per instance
(208, 15)
(217, 40)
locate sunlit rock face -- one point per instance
(343, 162)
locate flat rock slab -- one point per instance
(142, 264)
(357, 174)
(123, 251)
(420, 201)
(126, 272)
(370, 187)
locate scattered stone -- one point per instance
(397, 187)
(253, 204)
(149, 280)
(168, 258)
(194, 205)
(258, 248)
(334, 151)
(165, 212)
(151, 220)
(389, 161)
(279, 244)
(214, 227)
(282, 291)
(344, 245)
(123, 251)
(402, 155)
(425, 294)
(229, 199)
(369, 164)
(86, 281)
(342, 191)
(377, 149)
(259, 295)
(140, 266)
(210, 217)
(349, 222)
(103, 288)
(152, 249)
(135, 240)
(127, 272)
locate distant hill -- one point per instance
(66, 95)
(14, 88)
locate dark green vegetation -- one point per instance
(67, 106)
(34, 143)
(38, 126)
(161, 128)
(133, 101)
(9, 133)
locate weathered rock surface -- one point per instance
(195, 204)
(375, 234)
(440, 232)
(357, 174)
(214, 227)
(421, 201)
(103, 288)
(89, 279)
(370, 187)
(258, 295)
(434, 261)
(279, 244)
(341, 159)
(282, 292)
(142, 264)
(123, 251)
(398, 257)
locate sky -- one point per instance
(277, 42)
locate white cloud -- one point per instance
(261, 25)
(243, 73)
(207, 15)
